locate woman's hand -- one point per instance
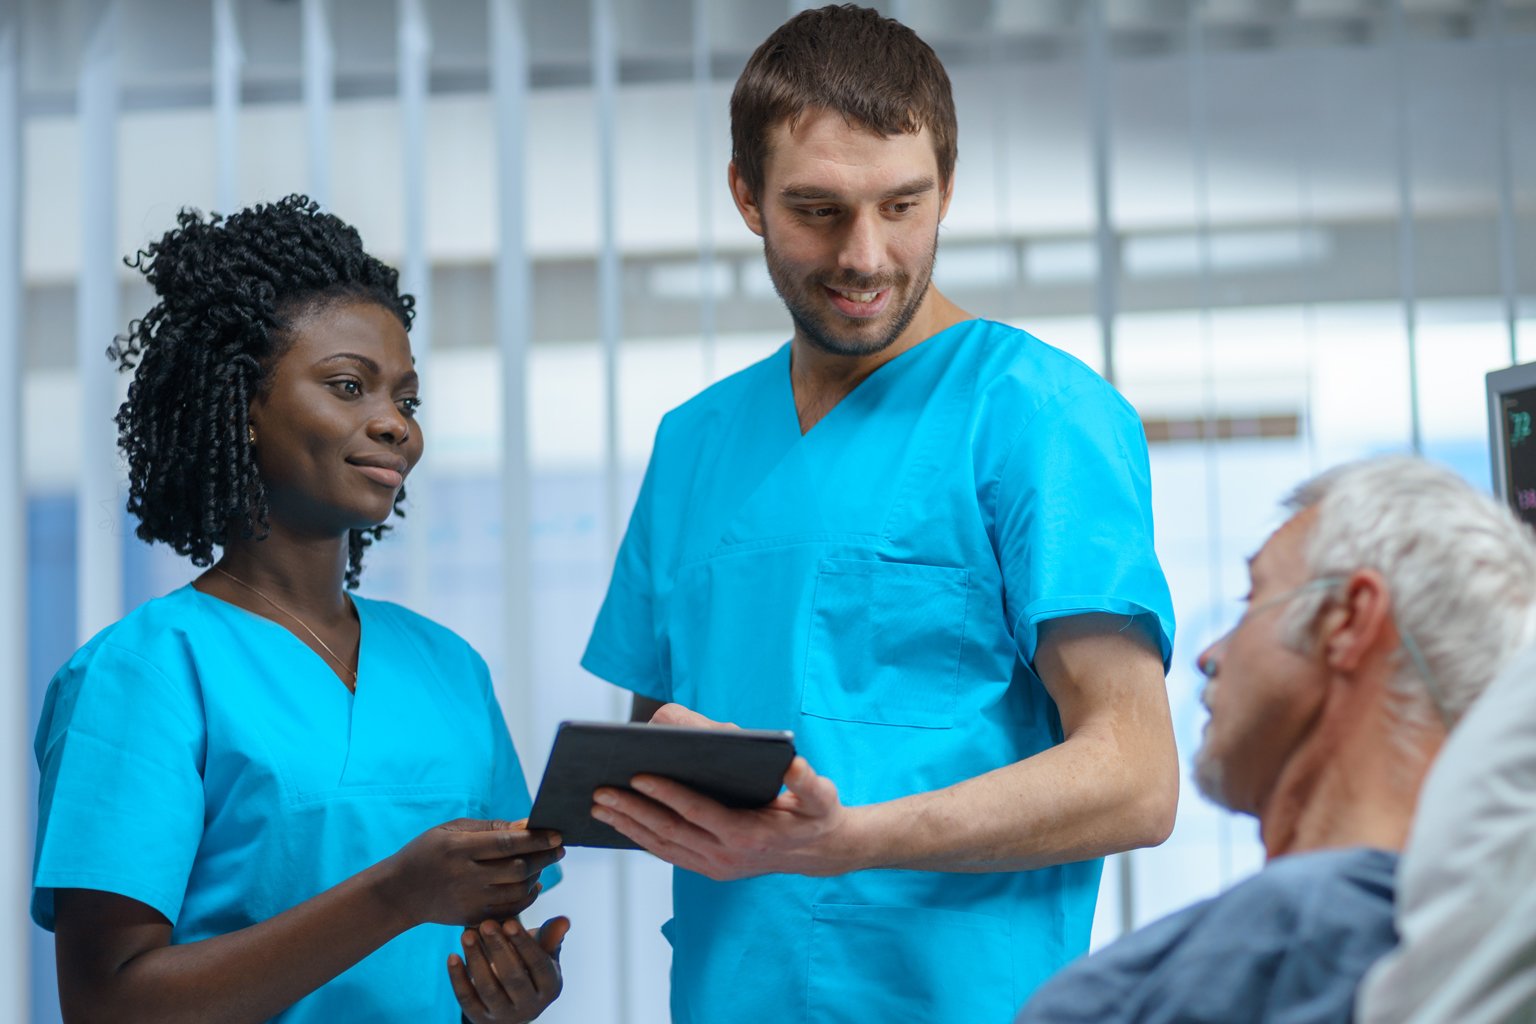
(508, 973)
(468, 870)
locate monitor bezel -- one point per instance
(1501, 383)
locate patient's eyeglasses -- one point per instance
(1208, 663)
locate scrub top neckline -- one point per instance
(362, 633)
(902, 358)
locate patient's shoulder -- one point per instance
(1302, 930)
(1310, 884)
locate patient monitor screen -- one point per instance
(1519, 412)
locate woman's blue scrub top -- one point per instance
(876, 585)
(200, 759)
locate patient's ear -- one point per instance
(1358, 625)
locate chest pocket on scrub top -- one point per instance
(885, 642)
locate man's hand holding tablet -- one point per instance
(691, 757)
(801, 830)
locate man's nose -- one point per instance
(861, 248)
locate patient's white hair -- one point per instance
(1460, 567)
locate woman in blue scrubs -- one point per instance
(263, 797)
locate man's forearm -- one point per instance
(1083, 798)
(1111, 785)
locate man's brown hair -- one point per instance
(871, 69)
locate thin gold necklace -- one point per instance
(352, 684)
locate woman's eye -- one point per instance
(409, 406)
(349, 387)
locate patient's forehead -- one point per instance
(1284, 551)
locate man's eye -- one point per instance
(822, 211)
(901, 207)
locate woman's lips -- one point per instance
(382, 475)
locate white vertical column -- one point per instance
(99, 571)
(1002, 169)
(1199, 131)
(414, 63)
(319, 95)
(1097, 67)
(15, 853)
(1407, 258)
(227, 61)
(1199, 127)
(1307, 229)
(1508, 247)
(710, 178)
(514, 327)
(610, 320)
(1105, 292)
(610, 314)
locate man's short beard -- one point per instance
(817, 333)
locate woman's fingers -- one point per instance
(543, 970)
(507, 960)
(464, 991)
(487, 983)
(503, 870)
(508, 972)
(551, 934)
(504, 901)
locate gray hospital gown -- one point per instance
(1287, 946)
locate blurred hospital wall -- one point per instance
(1292, 232)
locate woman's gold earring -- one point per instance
(250, 433)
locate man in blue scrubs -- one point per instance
(922, 541)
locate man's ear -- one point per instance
(1359, 625)
(746, 202)
(945, 197)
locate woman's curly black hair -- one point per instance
(230, 289)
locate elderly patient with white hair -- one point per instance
(1376, 614)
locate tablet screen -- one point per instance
(738, 767)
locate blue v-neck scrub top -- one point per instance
(877, 585)
(200, 759)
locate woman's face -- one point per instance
(335, 429)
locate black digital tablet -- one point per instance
(738, 767)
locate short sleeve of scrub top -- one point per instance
(1074, 517)
(630, 654)
(121, 772)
